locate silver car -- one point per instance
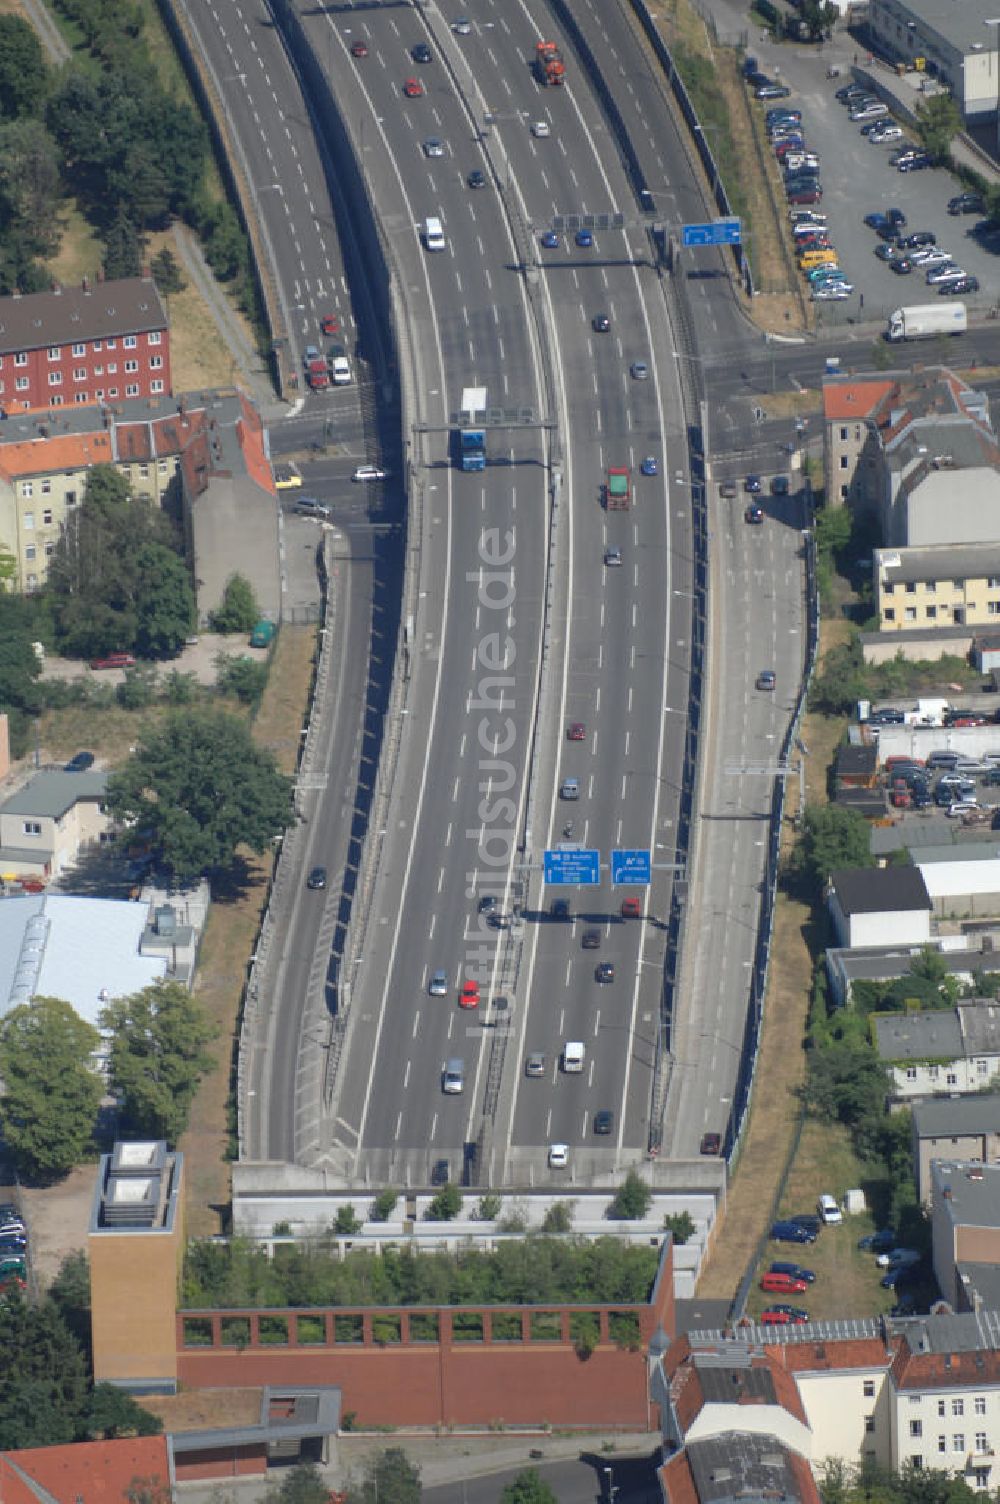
(640, 370)
(534, 1065)
(433, 147)
(438, 984)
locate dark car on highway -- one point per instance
(604, 1121)
(711, 1143)
(316, 878)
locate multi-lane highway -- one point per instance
(500, 670)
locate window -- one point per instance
(54, 352)
(98, 370)
(50, 549)
(161, 466)
(46, 488)
(21, 384)
(868, 1389)
(911, 1073)
(79, 350)
(113, 368)
(958, 1441)
(951, 1079)
(981, 1445)
(29, 552)
(911, 587)
(993, 583)
(917, 1461)
(79, 373)
(70, 498)
(930, 585)
(843, 493)
(993, 608)
(32, 828)
(21, 360)
(81, 397)
(55, 378)
(55, 400)
(144, 472)
(132, 389)
(942, 1443)
(47, 517)
(112, 393)
(941, 1407)
(869, 1423)
(843, 435)
(31, 582)
(131, 366)
(156, 386)
(931, 613)
(27, 490)
(111, 344)
(843, 462)
(889, 587)
(916, 1428)
(982, 1477)
(154, 337)
(155, 362)
(979, 1403)
(130, 342)
(98, 345)
(910, 613)
(934, 1071)
(982, 1069)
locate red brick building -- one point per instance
(101, 342)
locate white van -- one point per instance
(433, 234)
(572, 1057)
(340, 370)
(828, 1209)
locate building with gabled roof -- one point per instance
(941, 1051)
(86, 1472)
(737, 1466)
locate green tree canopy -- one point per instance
(832, 837)
(111, 1412)
(939, 121)
(158, 1057)
(200, 786)
(528, 1488)
(846, 1082)
(390, 1478)
(632, 1199)
(30, 186)
(238, 610)
(302, 1484)
(43, 1378)
(165, 605)
(51, 1092)
(24, 75)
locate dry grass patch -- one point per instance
(229, 941)
(81, 249)
(109, 732)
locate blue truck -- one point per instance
(472, 429)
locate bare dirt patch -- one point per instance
(205, 1409)
(58, 1218)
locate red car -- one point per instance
(359, 49)
(113, 660)
(413, 88)
(783, 1284)
(631, 908)
(576, 732)
(805, 196)
(469, 996)
(330, 324)
(778, 1317)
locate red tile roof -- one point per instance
(92, 1472)
(945, 1370)
(62, 452)
(676, 1482)
(823, 1357)
(854, 399)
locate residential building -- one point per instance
(955, 43)
(964, 1128)
(923, 1391)
(967, 962)
(965, 1223)
(99, 342)
(737, 1465)
(201, 457)
(950, 1052)
(879, 906)
(856, 766)
(98, 1472)
(45, 825)
(896, 446)
(937, 586)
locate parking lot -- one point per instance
(858, 178)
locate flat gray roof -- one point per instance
(741, 1465)
(974, 1191)
(957, 1117)
(919, 1036)
(37, 320)
(972, 561)
(880, 890)
(964, 25)
(883, 963)
(51, 793)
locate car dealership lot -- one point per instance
(858, 178)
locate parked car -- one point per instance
(783, 1284)
(890, 1258)
(782, 1266)
(791, 1232)
(113, 660)
(966, 203)
(711, 1143)
(959, 287)
(79, 763)
(783, 1316)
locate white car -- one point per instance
(832, 292)
(462, 27)
(558, 1156)
(369, 472)
(931, 255)
(885, 133)
(433, 147)
(540, 128)
(962, 807)
(947, 273)
(829, 1210)
(340, 370)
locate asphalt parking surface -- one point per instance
(859, 179)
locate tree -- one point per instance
(489, 1206)
(304, 1484)
(384, 1205)
(123, 247)
(528, 1488)
(19, 664)
(165, 604)
(832, 838)
(43, 1378)
(158, 1057)
(24, 74)
(166, 272)
(819, 17)
(200, 787)
(30, 187)
(939, 121)
(846, 1082)
(680, 1226)
(52, 1092)
(390, 1478)
(558, 1217)
(70, 1294)
(238, 610)
(347, 1222)
(632, 1199)
(111, 1412)
(243, 677)
(446, 1204)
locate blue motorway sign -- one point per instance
(573, 865)
(631, 867)
(716, 232)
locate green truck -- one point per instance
(617, 490)
(263, 634)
